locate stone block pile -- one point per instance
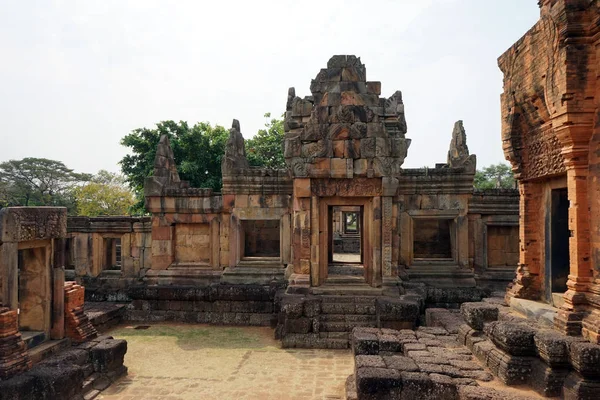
(83, 371)
(426, 363)
(77, 325)
(326, 321)
(219, 304)
(13, 351)
(519, 352)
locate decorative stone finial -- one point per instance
(458, 155)
(235, 151)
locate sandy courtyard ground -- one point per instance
(173, 361)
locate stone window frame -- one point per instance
(251, 214)
(488, 221)
(102, 269)
(451, 215)
(345, 225)
(243, 238)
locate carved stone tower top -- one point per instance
(345, 129)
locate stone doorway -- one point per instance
(346, 273)
(346, 235)
(34, 296)
(557, 245)
(345, 249)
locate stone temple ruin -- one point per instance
(344, 248)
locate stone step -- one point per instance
(334, 335)
(346, 269)
(47, 349)
(313, 341)
(345, 280)
(347, 317)
(33, 338)
(346, 290)
(366, 300)
(346, 326)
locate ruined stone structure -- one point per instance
(41, 315)
(272, 247)
(551, 136)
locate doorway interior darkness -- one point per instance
(557, 244)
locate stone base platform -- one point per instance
(76, 372)
(105, 315)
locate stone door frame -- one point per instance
(320, 227)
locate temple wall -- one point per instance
(549, 125)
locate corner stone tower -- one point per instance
(345, 129)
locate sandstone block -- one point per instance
(552, 347)
(378, 383)
(419, 385)
(364, 343)
(546, 380)
(577, 387)
(476, 314)
(374, 87)
(512, 337)
(585, 358)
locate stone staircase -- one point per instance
(340, 314)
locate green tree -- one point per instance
(498, 176)
(38, 182)
(265, 149)
(105, 194)
(197, 150)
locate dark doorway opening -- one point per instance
(557, 244)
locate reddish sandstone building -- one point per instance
(551, 135)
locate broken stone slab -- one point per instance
(478, 313)
(378, 383)
(514, 338)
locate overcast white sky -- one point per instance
(76, 76)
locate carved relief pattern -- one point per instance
(386, 236)
(543, 154)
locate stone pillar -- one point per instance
(569, 318)
(57, 329)
(527, 283)
(315, 274)
(386, 236)
(376, 242)
(9, 269)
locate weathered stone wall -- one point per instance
(32, 245)
(550, 110)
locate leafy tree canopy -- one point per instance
(38, 182)
(498, 176)
(265, 149)
(197, 150)
(105, 194)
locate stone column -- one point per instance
(315, 275)
(572, 311)
(376, 242)
(386, 237)
(527, 283)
